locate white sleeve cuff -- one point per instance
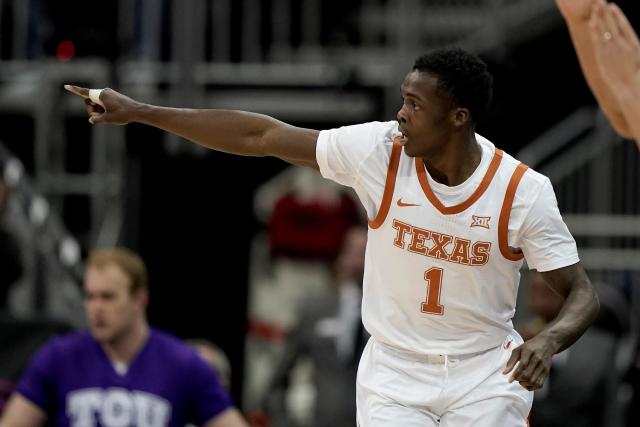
(321, 154)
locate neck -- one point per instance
(455, 161)
(123, 349)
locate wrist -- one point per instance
(580, 20)
(553, 342)
(140, 112)
(576, 13)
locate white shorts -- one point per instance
(414, 390)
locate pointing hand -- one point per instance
(106, 105)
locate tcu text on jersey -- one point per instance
(435, 245)
(116, 407)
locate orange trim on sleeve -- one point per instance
(448, 210)
(505, 214)
(389, 185)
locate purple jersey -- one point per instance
(167, 384)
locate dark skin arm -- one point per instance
(237, 132)
(579, 310)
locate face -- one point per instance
(424, 118)
(112, 310)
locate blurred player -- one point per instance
(609, 52)
(451, 219)
(121, 372)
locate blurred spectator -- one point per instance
(330, 333)
(609, 52)
(19, 338)
(310, 220)
(9, 251)
(121, 372)
(307, 219)
(582, 384)
(213, 355)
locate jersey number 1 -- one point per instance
(433, 276)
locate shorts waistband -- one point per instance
(432, 358)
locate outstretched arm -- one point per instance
(617, 52)
(577, 14)
(236, 132)
(579, 310)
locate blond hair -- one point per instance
(128, 261)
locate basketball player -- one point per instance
(451, 218)
(609, 53)
(121, 373)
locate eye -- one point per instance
(410, 103)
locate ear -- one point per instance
(142, 296)
(460, 117)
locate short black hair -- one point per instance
(461, 75)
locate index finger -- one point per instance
(77, 90)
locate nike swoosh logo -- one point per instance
(403, 204)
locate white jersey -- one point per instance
(441, 268)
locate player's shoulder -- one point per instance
(62, 348)
(173, 349)
(70, 342)
(378, 132)
(531, 183)
(531, 180)
(180, 356)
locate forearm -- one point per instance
(234, 132)
(580, 309)
(229, 418)
(21, 412)
(579, 31)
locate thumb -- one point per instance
(511, 363)
(96, 117)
